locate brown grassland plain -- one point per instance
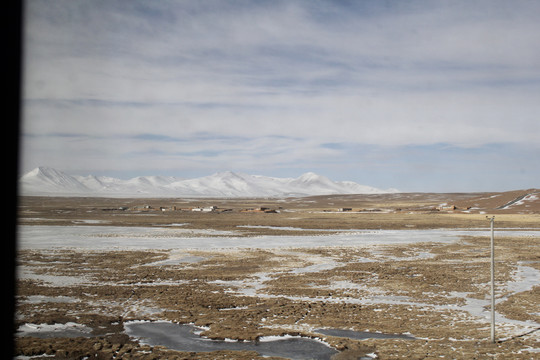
(244, 294)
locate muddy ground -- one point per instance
(245, 294)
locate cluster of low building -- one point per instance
(203, 209)
(259, 210)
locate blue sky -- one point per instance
(414, 95)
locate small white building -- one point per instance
(205, 209)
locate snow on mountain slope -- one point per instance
(224, 184)
(48, 180)
(51, 182)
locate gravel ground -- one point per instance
(74, 302)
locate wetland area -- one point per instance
(329, 277)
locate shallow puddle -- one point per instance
(186, 338)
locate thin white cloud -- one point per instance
(313, 72)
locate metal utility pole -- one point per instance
(492, 221)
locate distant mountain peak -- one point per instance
(312, 177)
(227, 174)
(52, 182)
(309, 176)
(45, 171)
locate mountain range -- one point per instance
(45, 181)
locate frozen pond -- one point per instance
(186, 338)
(110, 237)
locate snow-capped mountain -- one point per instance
(50, 182)
(47, 180)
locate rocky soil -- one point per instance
(423, 289)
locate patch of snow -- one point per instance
(109, 237)
(69, 329)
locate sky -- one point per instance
(423, 96)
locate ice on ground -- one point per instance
(69, 329)
(186, 337)
(26, 272)
(177, 257)
(111, 237)
(37, 299)
(106, 238)
(525, 278)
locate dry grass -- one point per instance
(122, 285)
